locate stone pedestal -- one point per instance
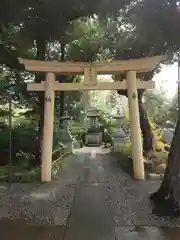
(93, 139)
(93, 132)
(65, 135)
(119, 137)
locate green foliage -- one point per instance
(173, 111)
(107, 122)
(77, 130)
(126, 149)
(161, 155)
(107, 139)
(75, 109)
(159, 146)
(88, 41)
(79, 140)
(24, 160)
(157, 107)
(4, 137)
(156, 130)
(29, 29)
(23, 141)
(76, 127)
(163, 31)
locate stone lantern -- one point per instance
(65, 135)
(119, 137)
(2, 121)
(93, 135)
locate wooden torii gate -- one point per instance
(90, 71)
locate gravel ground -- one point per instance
(42, 203)
(51, 203)
(128, 199)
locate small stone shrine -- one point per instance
(119, 137)
(93, 132)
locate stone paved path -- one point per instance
(90, 217)
(91, 199)
(89, 150)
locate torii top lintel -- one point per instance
(107, 67)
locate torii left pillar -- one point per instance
(47, 142)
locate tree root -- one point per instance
(165, 204)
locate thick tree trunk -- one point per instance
(41, 50)
(148, 136)
(167, 198)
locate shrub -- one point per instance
(107, 139)
(126, 149)
(24, 141)
(80, 138)
(167, 147)
(162, 156)
(107, 122)
(4, 137)
(159, 146)
(156, 131)
(75, 127)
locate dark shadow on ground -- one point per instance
(123, 162)
(17, 230)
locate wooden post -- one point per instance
(47, 143)
(137, 150)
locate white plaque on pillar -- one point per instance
(90, 76)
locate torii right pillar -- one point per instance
(136, 140)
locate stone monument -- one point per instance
(93, 135)
(65, 135)
(119, 137)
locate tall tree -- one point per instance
(172, 112)
(110, 39)
(162, 18)
(138, 40)
(158, 106)
(126, 44)
(38, 25)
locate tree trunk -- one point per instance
(148, 136)
(41, 50)
(62, 94)
(167, 198)
(62, 102)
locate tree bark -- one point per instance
(62, 94)
(167, 198)
(41, 50)
(148, 136)
(62, 102)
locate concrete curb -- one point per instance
(155, 176)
